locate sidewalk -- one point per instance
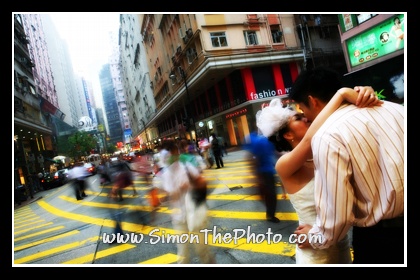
(29, 200)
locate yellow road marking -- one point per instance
(164, 259)
(282, 248)
(37, 233)
(32, 228)
(89, 258)
(55, 250)
(213, 213)
(45, 240)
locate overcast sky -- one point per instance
(87, 36)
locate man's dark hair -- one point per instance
(320, 82)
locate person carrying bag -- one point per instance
(189, 208)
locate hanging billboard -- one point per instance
(377, 42)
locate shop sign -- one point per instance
(377, 42)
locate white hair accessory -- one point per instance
(273, 117)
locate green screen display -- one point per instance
(383, 39)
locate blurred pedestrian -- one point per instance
(78, 175)
(160, 159)
(123, 178)
(40, 176)
(103, 173)
(216, 148)
(204, 147)
(187, 217)
(224, 147)
(262, 155)
(35, 182)
(187, 153)
(143, 165)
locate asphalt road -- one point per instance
(55, 228)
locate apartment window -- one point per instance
(191, 55)
(277, 35)
(250, 38)
(218, 39)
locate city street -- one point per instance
(55, 228)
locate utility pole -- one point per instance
(189, 115)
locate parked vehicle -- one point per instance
(95, 159)
(128, 157)
(47, 181)
(61, 177)
(91, 168)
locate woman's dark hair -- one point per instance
(279, 142)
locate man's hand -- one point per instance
(303, 230)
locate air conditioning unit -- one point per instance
(189, 33)
(24, 90)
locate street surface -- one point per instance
(58, 229)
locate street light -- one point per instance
(188, 113)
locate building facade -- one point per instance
(136, 82)
(33, 129)
(213, 72)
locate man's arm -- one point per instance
(291, 162)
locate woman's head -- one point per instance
(283, 126)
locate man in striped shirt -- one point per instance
(358, 155)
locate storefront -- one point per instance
(232, 103)
(33, 148)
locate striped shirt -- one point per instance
(359, 170)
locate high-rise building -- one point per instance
(111, 108)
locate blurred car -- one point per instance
(47, 181)
(61, 177)
(91, 168)
(128, 157)
(113, 159)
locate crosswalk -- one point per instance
(63, 230)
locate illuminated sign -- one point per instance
(268, 93)
(385, 38)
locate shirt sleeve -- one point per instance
(332, 192)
